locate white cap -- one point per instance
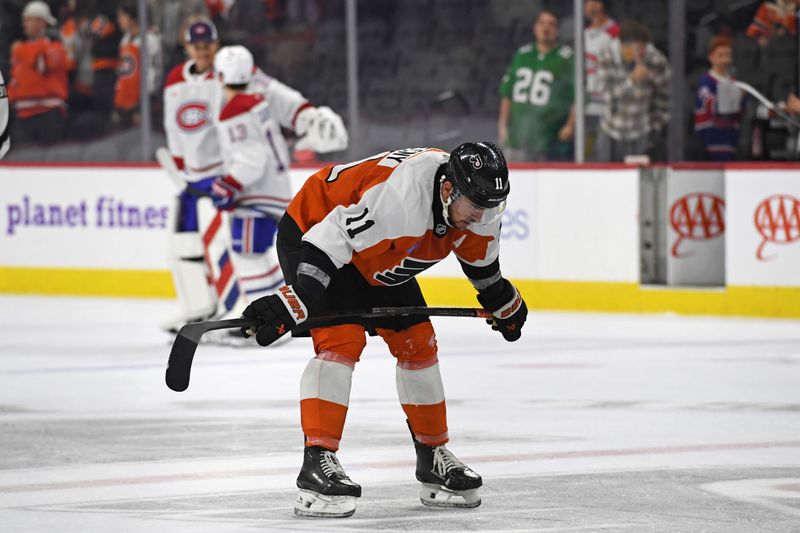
(41, 10)
(235, 63)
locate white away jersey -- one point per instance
(255, 153)
(596, 40)
(192, 105)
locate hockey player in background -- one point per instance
(355, 236)
(5, 136)
(192, 101)
(256, 162)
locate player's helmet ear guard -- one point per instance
(478, 172)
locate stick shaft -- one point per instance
(179, 366)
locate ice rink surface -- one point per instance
(589, 423)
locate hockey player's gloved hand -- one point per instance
(280, 312)
(509, 309)
(322, 130)
(224, 191)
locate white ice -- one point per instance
(589, 423)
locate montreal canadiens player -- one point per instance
(355, 236)
(256, 166)
(193, 98)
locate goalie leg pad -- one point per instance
(440, 496)
(255, 256)
(311, 504)
(196, 298)
(223, 275)
(187, 217)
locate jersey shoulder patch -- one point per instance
(175, 76)
(241, 103)
(525, 49)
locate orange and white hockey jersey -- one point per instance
(126, 93)
(383, 214)
(255, 154)
(192, 105)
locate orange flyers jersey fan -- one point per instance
(126, 95)
(380, 214)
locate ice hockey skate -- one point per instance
(446, 481)
(325, 489)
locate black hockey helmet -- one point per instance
(479, 172)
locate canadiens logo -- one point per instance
(192, 116)
(475, 161)
(698, 216)
(777, 219)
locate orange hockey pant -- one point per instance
(325, 385)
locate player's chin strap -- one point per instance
(454, 195)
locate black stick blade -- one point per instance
(179, 366)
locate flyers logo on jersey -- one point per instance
(127, 66)
(192, 116)
(475, 161)
(407, 269)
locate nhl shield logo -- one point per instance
(475, 161)
(440, 229)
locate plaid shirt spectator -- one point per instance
(634, 109)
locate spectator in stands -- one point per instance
(598, 35)
(38, 88)
(127, 93)
(537, 115)
(719, 104)
(105, 55)
(634, 78)
(169, 17)
(75, 36)
(773, 19)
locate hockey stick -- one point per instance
(769, 104)
(166, 162)
(179, 365)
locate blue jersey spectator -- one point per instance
(719, 104)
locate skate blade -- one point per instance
(439, 496)
(313, 505)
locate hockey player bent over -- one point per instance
(354, 237)
(192, 100)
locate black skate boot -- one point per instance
(325, 489)
(446, 481)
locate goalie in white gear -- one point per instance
(193, 98)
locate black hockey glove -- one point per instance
(280, 312)
(509, 309)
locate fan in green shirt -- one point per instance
(536, 110)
